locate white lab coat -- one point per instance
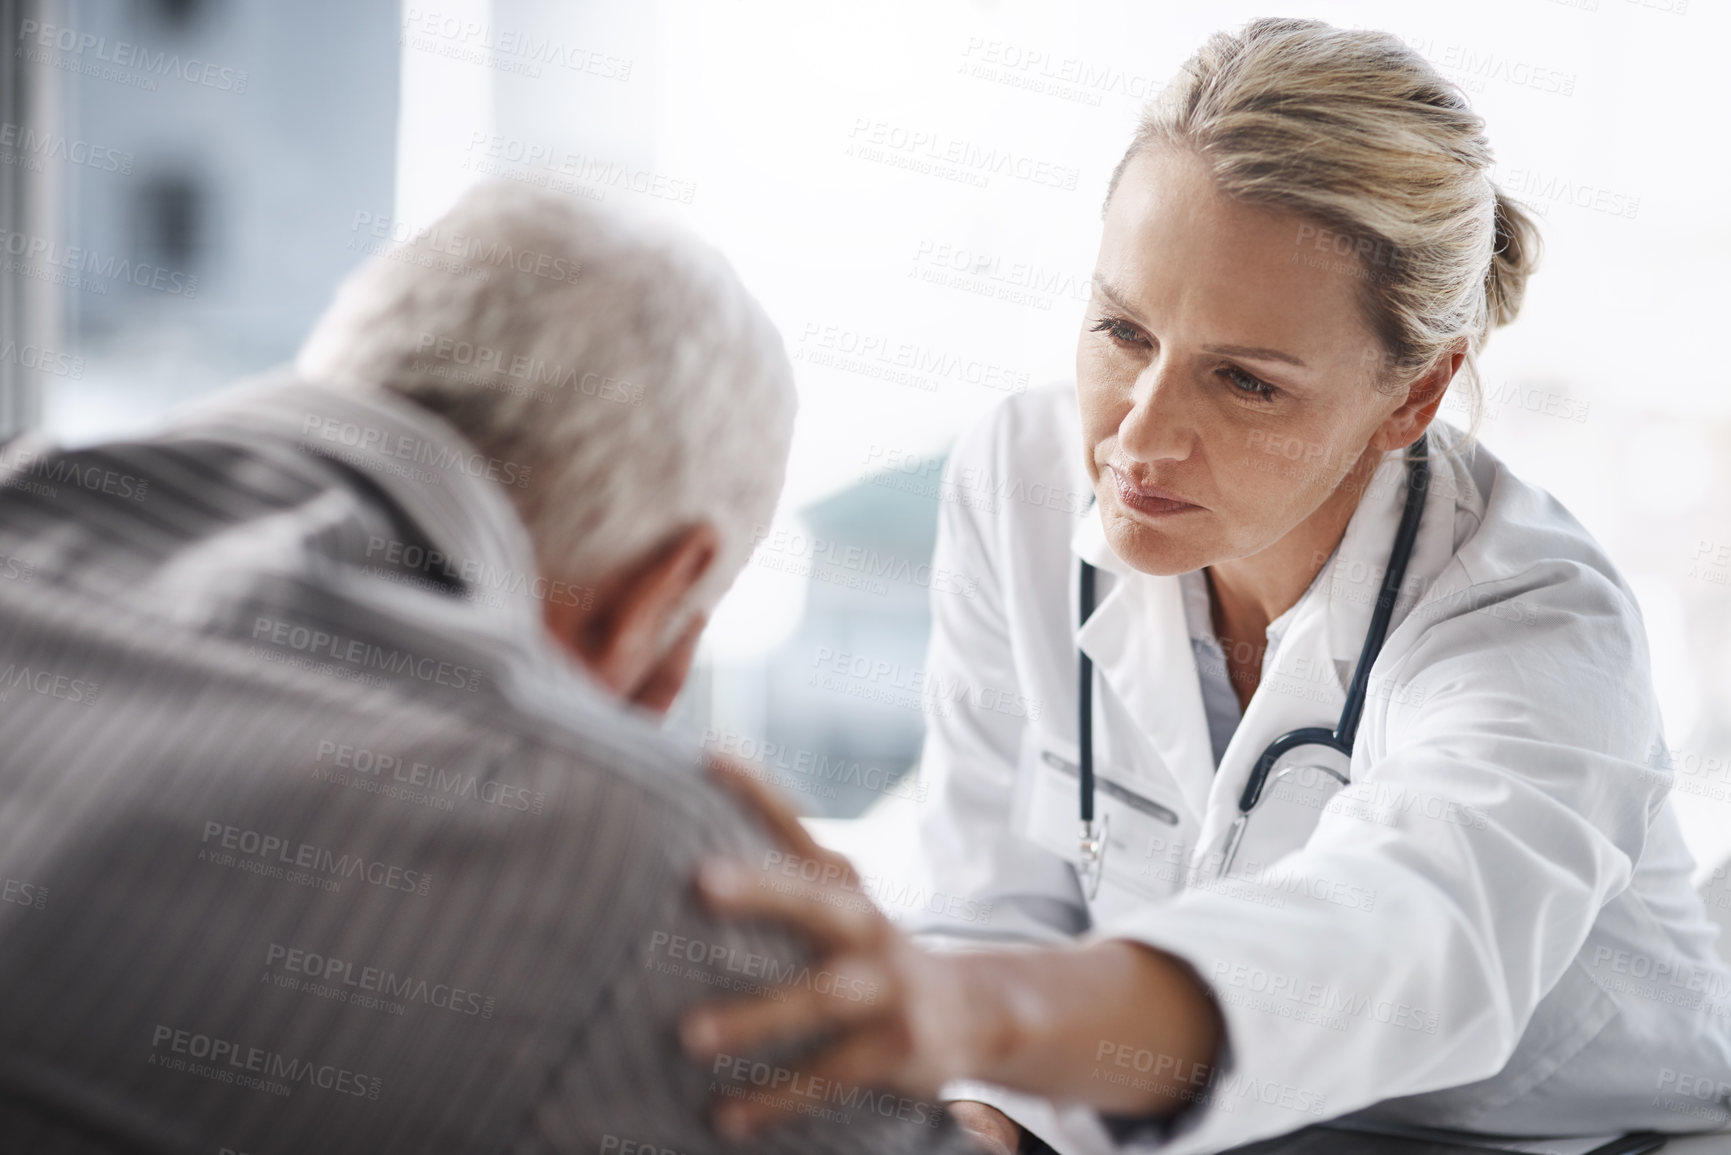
(1492, 929)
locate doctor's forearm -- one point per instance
(1120, 1026)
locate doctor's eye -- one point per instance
(1246, 386)
(1119, 330)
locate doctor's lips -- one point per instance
(1148, 498)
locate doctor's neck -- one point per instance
(1248, 593)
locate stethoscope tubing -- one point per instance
(1345, 732)
(1085, 703)
(1342, 736)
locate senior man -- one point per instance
(334, 811)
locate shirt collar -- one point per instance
(1089, 543)
(1197, 612)
(452, 491)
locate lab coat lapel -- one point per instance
(1355, 575)
(1139, 642)
(1300, 687)
(1307, 681)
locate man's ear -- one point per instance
(621, 634)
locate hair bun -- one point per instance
(1515, 257)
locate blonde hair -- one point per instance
(1354, 130)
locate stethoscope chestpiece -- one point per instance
(1091, 863)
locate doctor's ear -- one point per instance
(1424, 396)
(620, 632)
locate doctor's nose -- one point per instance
(1157, 426)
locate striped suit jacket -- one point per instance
(312, 841)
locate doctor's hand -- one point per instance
(990, 1129)
(897, 1015)
(891, 1015)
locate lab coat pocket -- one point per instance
(1147, 837)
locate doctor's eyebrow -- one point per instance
(1256, 352)
(1111, 293)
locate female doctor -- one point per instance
(1335, 860)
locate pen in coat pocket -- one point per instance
(1113, 790)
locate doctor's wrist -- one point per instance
(1040, 1022)
(999, 1014)
(983, 1020)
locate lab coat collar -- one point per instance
(1354, 575)
(1306, 681)
(1139, 639)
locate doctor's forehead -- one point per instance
(1176, 253)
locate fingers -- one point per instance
(865, 1059)
(760, 797)
(989, 1127)
(783, 823)
(835, 917)
(989, 1143)
(841, 995)
(868, 1058)
(817, 892)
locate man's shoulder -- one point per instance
(168, 565)
(427, 888)
(110, 517)
(301, 726)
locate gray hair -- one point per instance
(623, 363)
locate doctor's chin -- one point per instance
(669, 579)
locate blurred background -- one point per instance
(914, 191)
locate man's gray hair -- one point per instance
(623, 362)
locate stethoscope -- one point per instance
(1093, 840)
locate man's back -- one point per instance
(309, 845)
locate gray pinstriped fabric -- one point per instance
(478, 940)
